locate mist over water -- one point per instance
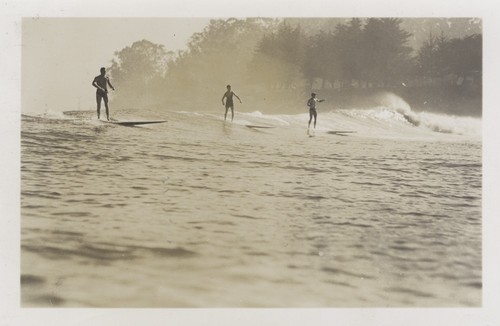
(388, 108)
(275, 63)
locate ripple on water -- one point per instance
(48, 300)
(408, 291)
(108, 253)
(28, 279)
(338, 271)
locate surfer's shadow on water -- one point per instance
(337, 133)
(343, 133)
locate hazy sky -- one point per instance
(61, 56)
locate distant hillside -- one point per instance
(421, 28)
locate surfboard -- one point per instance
(255, 126)
(134, 123)
(340, 132)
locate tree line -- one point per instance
(276, 61)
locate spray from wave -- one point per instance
(390, 116)
(436, 122)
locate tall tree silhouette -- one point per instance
(279, 57)
(387, 59)
(137, 71)
(348, 39)
(440, 57)
(320, 60)
(217, 56)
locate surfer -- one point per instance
(101, 82)
(229, 101)
(311, 103)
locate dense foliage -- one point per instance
(274, 60)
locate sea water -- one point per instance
(201, 212)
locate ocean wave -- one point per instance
(391, 116)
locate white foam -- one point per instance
(395, 119)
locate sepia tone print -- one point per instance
(251, 162)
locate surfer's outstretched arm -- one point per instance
(109, 83)
(237, 97)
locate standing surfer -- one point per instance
(101, 82)
(311, 103)
(229, 101)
